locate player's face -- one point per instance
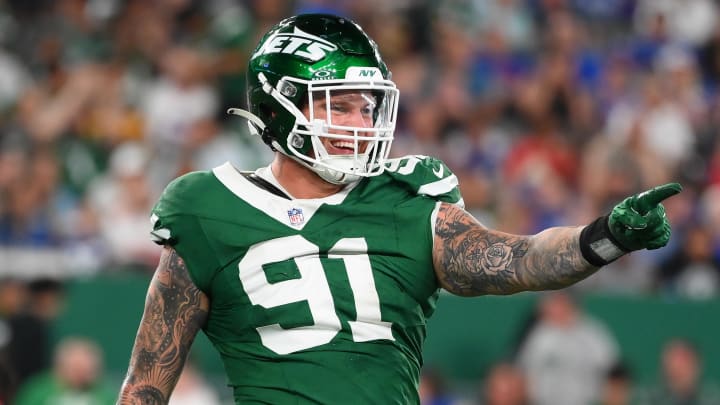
(345, 108)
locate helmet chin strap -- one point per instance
(324, 162)
(335, 176)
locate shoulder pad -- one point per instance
(179, 197)
(426, 175)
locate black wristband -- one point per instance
(597, 244)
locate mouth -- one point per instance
(339, 147)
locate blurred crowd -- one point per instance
(563, 355)
(549, 112)
(566, 356)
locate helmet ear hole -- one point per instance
(267, 115)
(266, 112)
(268, 137)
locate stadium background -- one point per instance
(549, 111)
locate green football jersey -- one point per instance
(313, 300)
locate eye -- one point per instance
(338, 107)
(368, 110)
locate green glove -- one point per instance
(638, 222)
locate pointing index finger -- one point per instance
(647, 200)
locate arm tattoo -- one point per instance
(471, 259)
(175, 310)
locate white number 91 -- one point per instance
(313, 288)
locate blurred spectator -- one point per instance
(544, 147)
(122, 201)
(209, 145)
(511, 19)
(422, 132)
(709, 213)
(607, 173)
(75, 378)
(607, 12)
(181, 96)
(678, 70)
(192, 388)
(504, 385)
(321, 7)
(566, 354)
(713, 171)
(631, 275)
(709, 60)
(28, 218)
(46, 298)
(7, 383)
(693, 271)
(433, 389)
(269, 12)
(30, 327)
(688, 22)
(140, 34)
(48, 110)
(541, 166)
(14, 79)
(112, 118)
(618, 386)
(681, 383)
(506, 21)
(454, 49)
(657, 125)
(231, 35)
(13, 296)
(476, 156)
(13, 160)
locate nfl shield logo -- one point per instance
(296, 216)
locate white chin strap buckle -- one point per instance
(336, 176)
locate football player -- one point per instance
(314, 277)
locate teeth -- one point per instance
(343, 144)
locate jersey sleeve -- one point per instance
(177, 222)
(427, 176)
(166, 211)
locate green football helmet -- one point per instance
(302, 63)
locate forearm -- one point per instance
(553, 260)
(175, 310)
(471, 259)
